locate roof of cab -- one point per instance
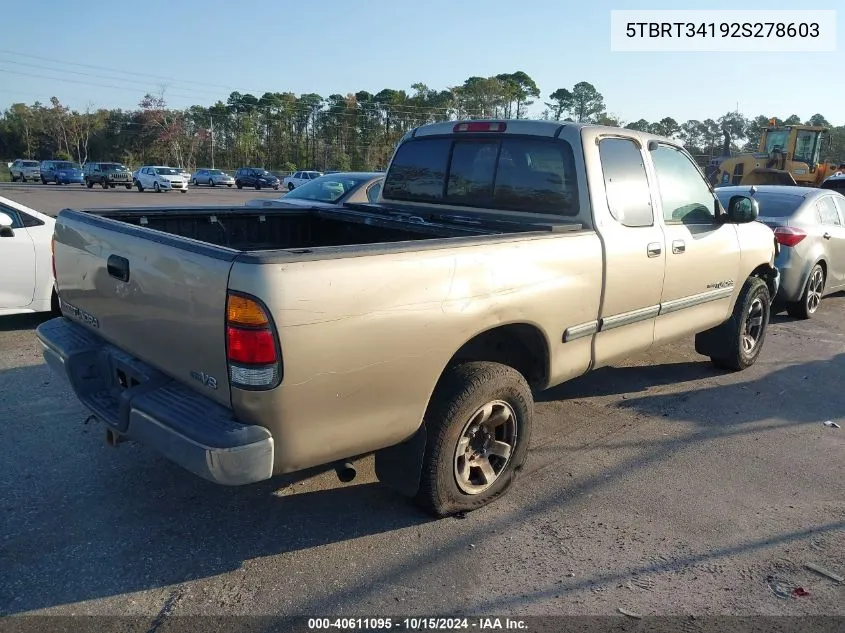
(530, 127)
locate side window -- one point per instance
(29, 220)
(14, 214)
(685, 195)
(373, 191)
(625, 182)
(828, 214)
(840, 203)
(297, 175)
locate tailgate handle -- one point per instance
(118, 267)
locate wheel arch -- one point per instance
(520, 345)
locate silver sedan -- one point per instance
(809, 225)
(212, 177)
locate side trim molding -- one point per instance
(694, 300)
(627, 318)
(580, 331)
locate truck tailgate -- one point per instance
(155, 296)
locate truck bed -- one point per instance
(244, 229)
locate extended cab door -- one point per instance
(833, 239)
(633, 246)
(702, 252)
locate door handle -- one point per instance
(826, 236)
(118, 267)
(679, 247)
(654, 249)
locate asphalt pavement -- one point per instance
(660, 485)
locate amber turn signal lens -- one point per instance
(243, 311)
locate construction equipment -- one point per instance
(787, 155)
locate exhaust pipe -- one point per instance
(113, 438)
(345, 472)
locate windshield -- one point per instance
(30, 163)
(114, 167)
(807, 147)
(772, 205)
(67, 166)
(326, 189)
(168, 171)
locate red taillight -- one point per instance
(480, 126)
(788, 235)
(253, 347)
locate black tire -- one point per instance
(23, 179)
(463, 391)
(230, 186)
(55, 307)
(752, 304)
(104, 183)
(211, 182)
(811, 298)
(275, 187)
(239, 184)
(156, 187)
(12, 177)
(89, 184)
(290, 186)
(140, 186)
(258, 186)
(128, 186)
(43, 182)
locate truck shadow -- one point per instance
(82, 521)
(24, 322)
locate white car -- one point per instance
(26, 260)
(300, 178)
(160, 178)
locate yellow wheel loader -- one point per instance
(788, 155)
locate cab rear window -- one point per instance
(511, 173)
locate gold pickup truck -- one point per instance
(501, 258)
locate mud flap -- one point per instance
(399, 466)
(715, 342)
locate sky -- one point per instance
(200, 52)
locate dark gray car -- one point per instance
(809, 225)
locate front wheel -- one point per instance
(211, 182)
(139, 185)
(128, 186)
(746, 329)
(290, 186)
(478, 426)
(811, 299)
(239, 185)
(89, 184)
(156, 187)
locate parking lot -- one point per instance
(53, 198)
(659, 486)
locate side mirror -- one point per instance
(742, 210)
(6, 225)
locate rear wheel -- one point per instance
(478, 425)
(812, 297)
(211, 182)
(104, 183)
(746, 329)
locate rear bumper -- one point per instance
(137, 401)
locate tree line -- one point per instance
(283, 131)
